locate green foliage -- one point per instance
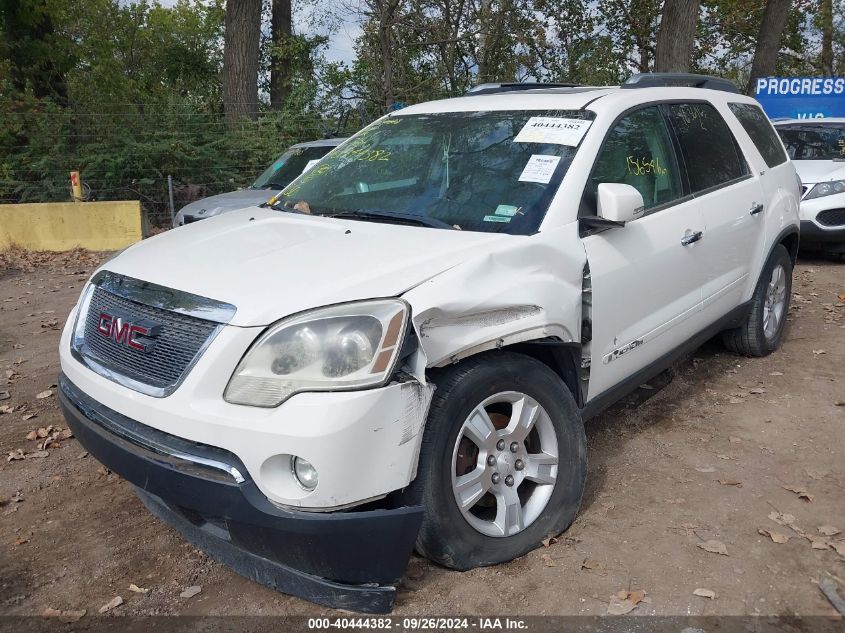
(129, 91)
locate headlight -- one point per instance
(341, 347)
(826, 189)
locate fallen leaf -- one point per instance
(191, 591)
(136, 589)
(828, 530)
(65, 434)
(549, 541)
(21, 541)
(777, 537)
(29, 416)
(818, 543)
(44, 394)
(714, 547)
(15, 455)
(623, 602)
(819, 352)
(111, 604)
(801, 492)
(839, 546)
(38, 454)
(5, 395)
(705, 593)
(5, 408)
(619, 607)
(591, 564)
(32, 435)
(548, 561)
(636, 596)
(731, 482)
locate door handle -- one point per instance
(692, 238)
(757, 208)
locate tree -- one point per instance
(241, 43)
(826, 19)
(676, 36)
(38, 59)
(769, 39)
(281, 28)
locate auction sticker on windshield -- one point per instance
(539, 168)
(555, 130)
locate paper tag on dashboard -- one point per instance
(309, 165)
(539, 168)
(555, 130)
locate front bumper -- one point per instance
(344, 560)
(812, 232)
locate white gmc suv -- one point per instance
(401, 349)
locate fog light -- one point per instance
(303, 472)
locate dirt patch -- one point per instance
(691, 479)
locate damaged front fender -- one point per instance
(525, 288)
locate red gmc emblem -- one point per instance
(119, 327)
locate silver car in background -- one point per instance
(277, 176)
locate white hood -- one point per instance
(813, 171)
(270, 264)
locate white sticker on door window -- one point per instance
(539, 168)
(555, 130)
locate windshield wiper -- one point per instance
(401, 218)
(280, 205)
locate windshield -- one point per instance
(819, 141)
(475, 171)
(288, 166)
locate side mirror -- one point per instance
(619, 203)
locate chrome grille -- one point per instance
(182, 326)
(181, 338)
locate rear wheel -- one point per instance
(502, 464)
(762, 332)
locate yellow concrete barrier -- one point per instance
(60, 226)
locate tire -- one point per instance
(757, 336)
(508, 383)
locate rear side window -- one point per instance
(710, 152)
(761, 132)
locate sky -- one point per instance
(340, 47)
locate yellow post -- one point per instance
(76, 186)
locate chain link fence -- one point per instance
(129, 152)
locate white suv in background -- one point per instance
(402, 349)
(817, 149)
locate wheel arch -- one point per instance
(563, 358)
(789, 238)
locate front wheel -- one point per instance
(502, 464)
(762, 332)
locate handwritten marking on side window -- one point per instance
(640, 166)
(841, 143)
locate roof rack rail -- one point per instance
(666, 80)
(495, 88)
